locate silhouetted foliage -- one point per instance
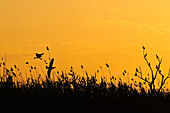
(71, 92)
(154, 76)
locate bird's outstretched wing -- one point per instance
(39, 54)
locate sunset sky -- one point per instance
(86, 32)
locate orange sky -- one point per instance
(88, 32)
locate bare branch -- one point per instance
(148, 63)
(151, 82)
(158, 68)
(140, 72)
(144, 79)
(163, 80)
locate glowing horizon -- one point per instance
(88, 32)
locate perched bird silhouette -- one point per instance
(38, 55)
(143, 47)
(107, 64)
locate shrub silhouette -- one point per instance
(153, 75)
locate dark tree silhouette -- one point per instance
(154, 75)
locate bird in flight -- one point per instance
(50, 67)
(38, 55)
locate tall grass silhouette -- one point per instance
(71, 92)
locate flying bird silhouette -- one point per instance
(38, 55)
(50, 67)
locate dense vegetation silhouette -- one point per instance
(71, 92)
